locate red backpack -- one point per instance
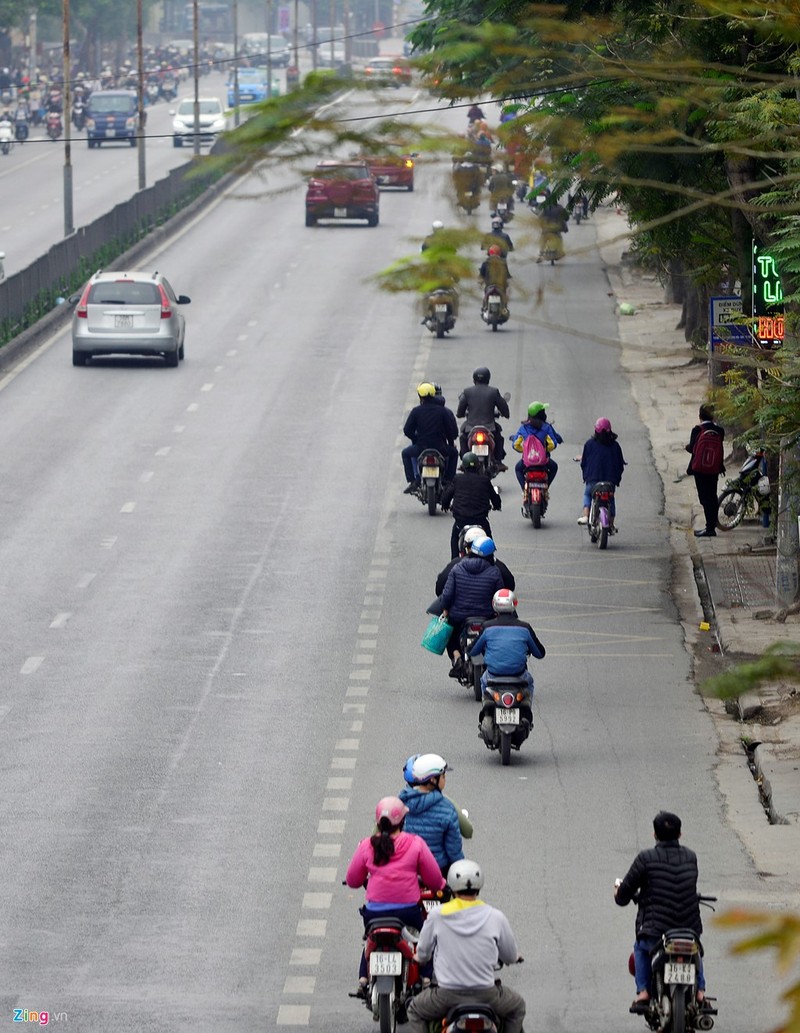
(707, 452)
(534, 452)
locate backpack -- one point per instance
(707, 452)
(534, 452)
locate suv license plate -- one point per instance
(385, 963)
(679, 972)
(480, 450)
(340, 213)
(506, 717)
(123, 322)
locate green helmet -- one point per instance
(536, 407)
(469, 461)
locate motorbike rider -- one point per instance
(601, 460)
(501, 187)
(467, 179)
(507, 642)
(475, 113)
(430, 814)
(554, 222)
(663, 881)
(466, 938)
(494, 273)
(537, 424)
(470, 496)
(468, 592)
(498, 237)
(429, 425)
(437, 240)
(394, 862)
(465, 539)
(477, 406)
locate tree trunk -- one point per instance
(695, 316)
(787, 571)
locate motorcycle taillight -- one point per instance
(479, 438)
(507, 699)
(536, 475)
(604, 496)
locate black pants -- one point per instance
(706, 484)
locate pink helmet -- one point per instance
(602, 424)
(391, 807)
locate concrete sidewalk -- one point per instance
(727, 581)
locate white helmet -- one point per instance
(437, 224)
(504, 601)
(472, 534)
(465, 877)
(427, 766)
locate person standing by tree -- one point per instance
(705, 446)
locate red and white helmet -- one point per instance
(391, 807)
(504, 601)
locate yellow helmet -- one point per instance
(426, 390)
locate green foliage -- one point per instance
(779, 662)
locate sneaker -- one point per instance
(583, 520)
(502, 467)
(456, 669)
(411, 488)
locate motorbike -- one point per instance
(493, 311)
(506, 719)
(480, 441)
(53, 125)
(152, 91)
(6, 136)
(476, 1016)
(431, 465)
(673, 1006)
(79, 115)
(439, 317)
(505, 210)
(746, 496)
(535, 494)
(169, 88)
(393, 972)
(600, 525)
(471, 670)
(21, 125)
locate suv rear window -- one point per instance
(341, 172)
(122, 293)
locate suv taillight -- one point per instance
(166, 308)
(82, 311)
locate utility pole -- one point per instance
(236, 115)
(140, 98)
(196, 40)
(269, 48)
(69, 227)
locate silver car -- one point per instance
(127, 313)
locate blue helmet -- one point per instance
(484, 547)
(408, 770)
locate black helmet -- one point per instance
(469, 461)
(481, 375)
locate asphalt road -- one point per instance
(212, 593)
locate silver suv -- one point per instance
(124, 313)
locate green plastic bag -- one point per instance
(437, 635)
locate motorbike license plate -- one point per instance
(506, 717)
(430, 471)
(480, 450)
(441, 308)
(123, 322)
(340, 213)
(385, 963)
(679, 972)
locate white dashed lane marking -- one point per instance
(128, 507)
(60, 620)
(86, 580)
(33, 663)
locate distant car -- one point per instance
(342, 190)
(252, 86)
(127, 313)
(259, 44)
(392, 170)
(388, 71)
(212, 120)
(112, 115)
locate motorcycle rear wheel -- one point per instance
(431, 499)
(386, 1016)
(678, 1023)
(477, 691)
(495, 324)
(536, 514)
(505, 750)
(602, 542)
(440, 330)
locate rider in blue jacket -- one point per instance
(430, 814)
(537, 424)
(506, 642)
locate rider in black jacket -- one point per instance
(479, 404)
(663, 881)
(429, 425)
(470, 496)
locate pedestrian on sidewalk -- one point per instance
(705, 446)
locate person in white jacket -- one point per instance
(466, 938)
